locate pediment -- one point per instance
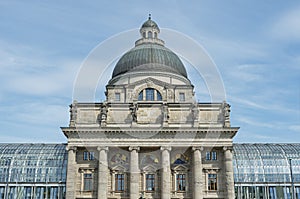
(180, 168)
(149, 168)
(149, 82)
(118, 168)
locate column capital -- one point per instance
(102, 148)
(132, 148)
(168, 148)
(230, 148)
(196, 148)
(71, 148)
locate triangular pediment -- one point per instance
(118, 168)
(180, 168)
(149, 168)
(149, 81)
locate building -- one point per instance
(149, 139)
(38, 171)
(150, 135)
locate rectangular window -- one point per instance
(119, 182)
(85, 155)
(117, 97)
(92, 155)
(212, 182)
(180, 182)
(150, 179)
(88, 155)
(88, 182)
(207, 157)
(181, 97)
(149, 94)
(213, 155)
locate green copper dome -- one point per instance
(150, 56)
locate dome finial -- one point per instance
(149, 16)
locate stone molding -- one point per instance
(100, 148)
(230, 148)
(168, 148)
(71, 148)
(195, 148)
(132, 148)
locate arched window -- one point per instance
(155, 35)
(150, 35)
(150, 94)
(144, 34)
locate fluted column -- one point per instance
(134, 172)
(197, 170)
(102, 173)
(71, 173)
(228, 172)
(166, 173)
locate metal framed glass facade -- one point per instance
(33, 170)
(38, 171)
(267, 170)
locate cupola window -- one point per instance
(150, 35)
(149, 94)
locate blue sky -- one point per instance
(255, 45)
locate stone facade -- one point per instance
(150, 138)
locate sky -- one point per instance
(254, 44)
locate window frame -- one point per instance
(212, 182)
(88, 182)
(117, 96)
(149, 94)
(211, 156)
(182, 97)
(150, 182)
(180, 182)
(88, 155)
(119, 181)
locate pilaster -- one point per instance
(71, 174)
(134, 172)
(229, 184)
(197, 170)
(166, 173)
(102, 172)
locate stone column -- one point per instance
(102, 173)
(166, 173)
(134, 172)
(71, 173)
(229, 182)
(197, 170)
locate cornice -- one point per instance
(153, 133)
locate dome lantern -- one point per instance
(150, 54)
(149, 32)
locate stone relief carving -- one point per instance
(149, 159)
(119, 158)
(226, 113)
(103, 114)
(133, 110)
